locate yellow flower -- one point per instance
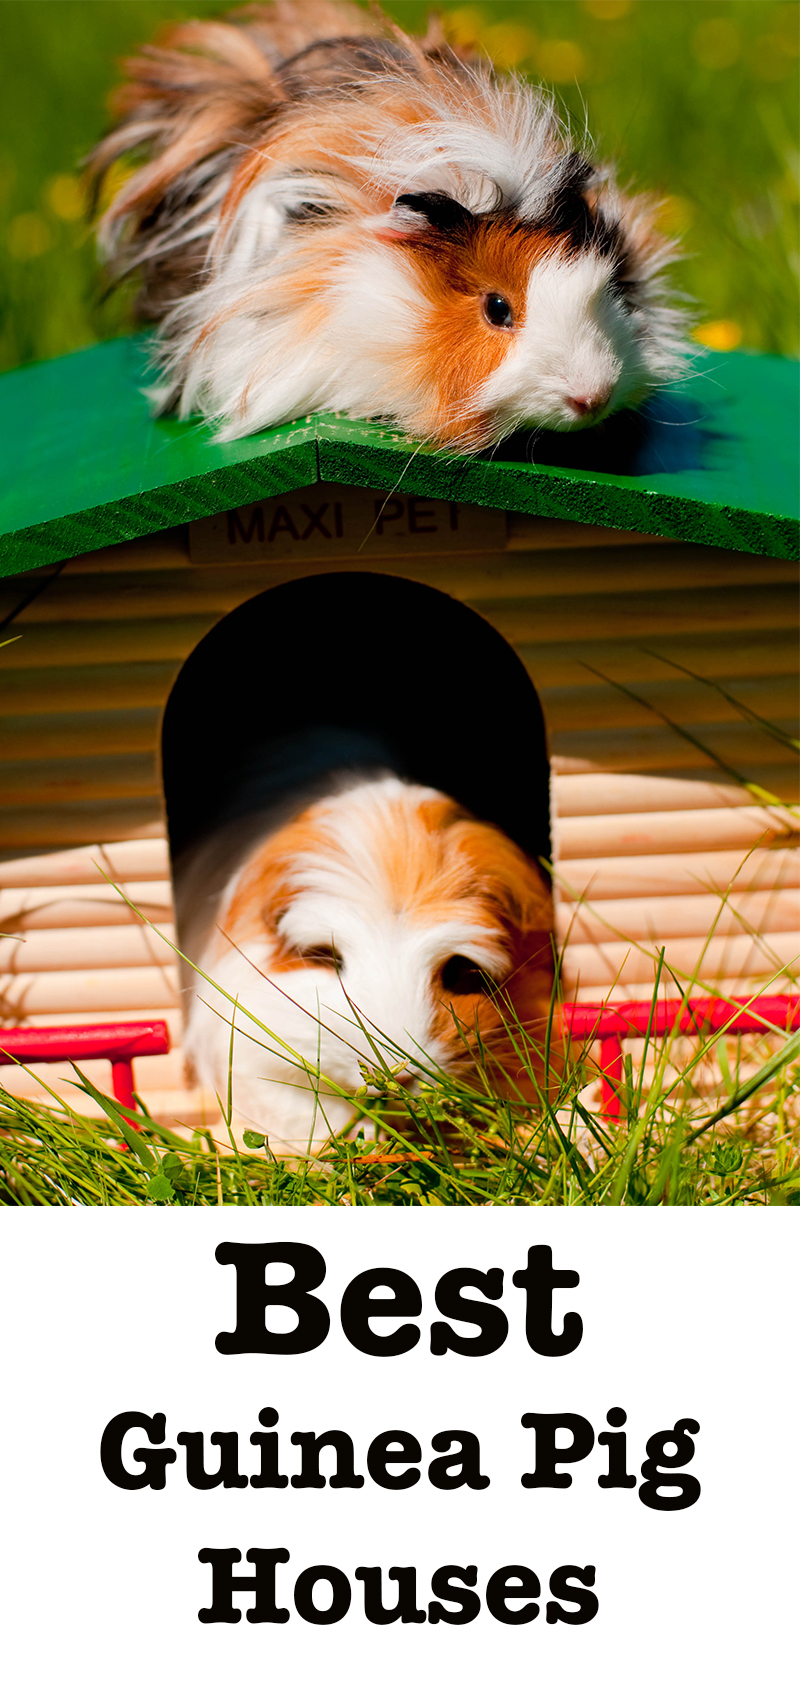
(560, 61)
(723, 336)
(717, 43)
(508, 43)
(28, 235)
(608, 10)
(65, 196)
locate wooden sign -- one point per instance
(333, 521)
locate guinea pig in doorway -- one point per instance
(382, 918)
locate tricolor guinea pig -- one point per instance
(329, 214)
(384, 925)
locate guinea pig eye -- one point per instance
(322, 955)
(462, 977)
(497, 311)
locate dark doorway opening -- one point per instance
(344, 672)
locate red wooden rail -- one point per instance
(610, 1022)
(117, 1043)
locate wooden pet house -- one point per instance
(633, 590)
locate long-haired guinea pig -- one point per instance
(329, 214)
(385, 925)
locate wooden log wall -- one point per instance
(632, 645)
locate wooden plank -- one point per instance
(724, 988)
(333, 522)
(83, 994)
(167, 550)
(77, 779)
(619, 794)
(671, 875)
(45, 908)
(568, 708)
(555, 619)
(57, 950)
(44, 691)
(172, 1017)
(125, 861)
(717, 656)
(217, 588)
(691, 831)
(71, 824)
(657, 919)
(88, 733)
(543, 533)
(731, 958)
(643, 614)
(105, 470)
(648, 749)
(128, 641)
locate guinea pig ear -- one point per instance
(416, 215)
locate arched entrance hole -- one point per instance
(343, 672)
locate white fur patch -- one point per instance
(577, 341)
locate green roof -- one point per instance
(714, 460)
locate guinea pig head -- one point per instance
(533, 322)
(401, 925)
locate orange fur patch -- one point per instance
(461, 348)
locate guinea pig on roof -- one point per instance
(328, 214)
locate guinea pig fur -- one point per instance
(329, 214)
(385, 925)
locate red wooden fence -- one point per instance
(609, 1022)
(586, 1022)
(117, 1043)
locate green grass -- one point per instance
(695, 1129)
(698, 101)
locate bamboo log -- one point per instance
(690, 831)
(76, 779)
(124, 861)
(687, 702)
(49, 908)
(674, 875)
(40, 692)
(80, 994)
(737, 958)
(71, 824)
(79, 642)
(171, 1015)
(217, 589)
(657, 919)
(117, 732)
(533, 533)
(55, 950)
(545, 620)
(129, 732)
(638, 615)
(162, 1071)
(125, 685)
(620, 794)
(644, 749)
(713, 655)
(166, 550)
(724, 988)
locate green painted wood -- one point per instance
(84, 464)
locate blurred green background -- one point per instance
(697, 99)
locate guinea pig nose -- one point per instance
(588, 404)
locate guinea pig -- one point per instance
(384, 925)
(329, 214)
